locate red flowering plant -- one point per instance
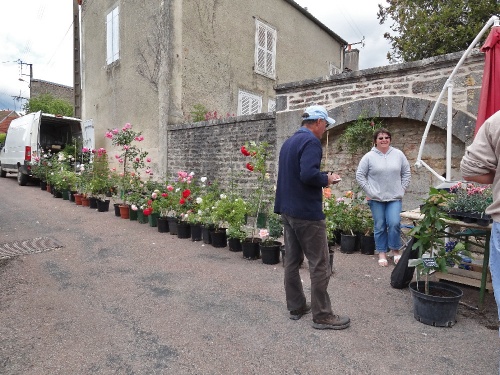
(176, 199)
(260, 198)
(131, 158)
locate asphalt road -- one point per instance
(120, 298)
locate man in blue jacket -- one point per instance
(299, 201)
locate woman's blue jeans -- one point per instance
(387, 224)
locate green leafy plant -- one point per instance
(358, 137)
(229, 210)
(198, 113)
(430, 233)
(47, 103)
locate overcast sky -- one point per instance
(39, 32)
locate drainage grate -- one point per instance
(35, 245)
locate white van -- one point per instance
(30, 135)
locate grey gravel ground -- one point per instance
(121, 298)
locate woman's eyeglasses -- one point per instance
(380, 138)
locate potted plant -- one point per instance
(468, 201)
(228, 211)
(260, 195)
(132, 160)
(270, 246)
(434, 303)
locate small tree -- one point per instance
(47, 103)
(426, 28)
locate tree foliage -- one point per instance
(47, 103)
(426, 28)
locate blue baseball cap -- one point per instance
(316, 112)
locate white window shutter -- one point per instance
(112, 36)
(109, 38)
(271, 105)
(116, 34)
(248, 104)
(265, 49)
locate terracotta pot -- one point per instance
(78, 199)
(124, 211)
(85, 202)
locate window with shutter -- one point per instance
(271, 105)
(112, 36)
(248, 104)
(265, 49)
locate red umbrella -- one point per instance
(489, 100)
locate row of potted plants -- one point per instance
(187, 199)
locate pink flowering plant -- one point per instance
(131, 157)
(469, 197)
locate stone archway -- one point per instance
(406, 108)
(411, 116)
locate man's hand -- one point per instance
(333, 178)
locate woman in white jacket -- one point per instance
(384, 174)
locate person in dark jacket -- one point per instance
(299, 201)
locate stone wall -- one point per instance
(212, 148)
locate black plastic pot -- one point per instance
(196, 230)
(102, 206)
(183, 230)
(367, 245)
(218, 238)
(162, 224)
(439, 307)
(251, 248)
(172, 225)
(234, 244)
(347, 243)
(270, 254)
(205, 233)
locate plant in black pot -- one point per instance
(434, 303)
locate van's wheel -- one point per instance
(2, 172)
(22, 179)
